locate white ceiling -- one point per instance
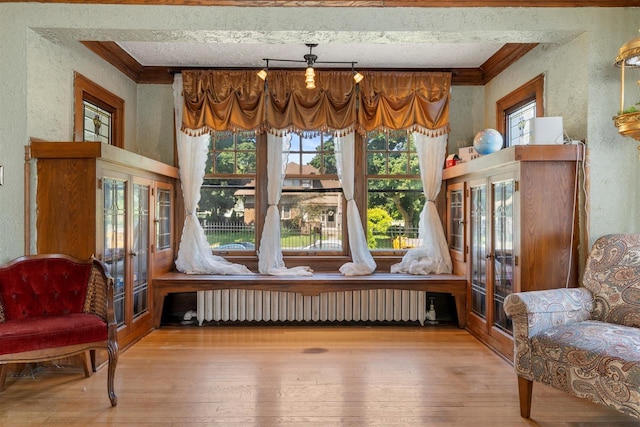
(367, 55)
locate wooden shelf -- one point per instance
(518, 153)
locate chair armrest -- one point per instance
(541, 310)
(535, 311)
(99, 299)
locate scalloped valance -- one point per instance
(218, 100)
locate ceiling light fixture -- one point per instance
(310, 59)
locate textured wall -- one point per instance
(50, 70)
(155, 122)
(467, 116)
(39, 50)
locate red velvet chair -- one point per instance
(56, 306)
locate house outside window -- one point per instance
(312, 195)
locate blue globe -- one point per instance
(487, 141)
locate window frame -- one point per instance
(259, 186)
(385, 176)
(325, 260)
(533, 90)
(298, 156)
(86, 90)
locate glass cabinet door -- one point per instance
(503, 250)
(140, 249)
(455, 226)
(478, 248)
(163, 219)
(114, 219)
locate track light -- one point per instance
(310, 59)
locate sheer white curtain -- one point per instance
(432, 255)
(270, 260)
(194, 254)
(362, 261)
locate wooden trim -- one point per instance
(27, 200)
(517, 153)
(119, 58)
(501, 60)
(94, 150)
(116, 56)
(361, 3)
(534, 88)
(85, 89)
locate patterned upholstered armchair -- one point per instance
(585, 341)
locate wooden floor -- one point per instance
(297, 376)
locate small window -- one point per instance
(97, 123)
(518, 125)
(516, 109)
(98, 115)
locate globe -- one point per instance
(487, 141)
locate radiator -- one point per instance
(241, 305)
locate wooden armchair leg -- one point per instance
(86, 363)
(3, 375)
(525, 388)
(112, 350)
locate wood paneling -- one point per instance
(66, 203)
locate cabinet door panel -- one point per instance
(478, 248)
(455, 221)
(503, 249)
(114, 220)
(140, 248)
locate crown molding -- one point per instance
(116, 56)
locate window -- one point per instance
(394, 191)
(98, 114)
(312, 207)
(518, 125)
(311, 203)
(515, 109)
(227, 207)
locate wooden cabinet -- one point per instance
(519, 223)
(96, 199)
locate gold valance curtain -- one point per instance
(217, 100)
(220, 100)
(330, 106)
(417, 101)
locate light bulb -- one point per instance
(309, 78)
